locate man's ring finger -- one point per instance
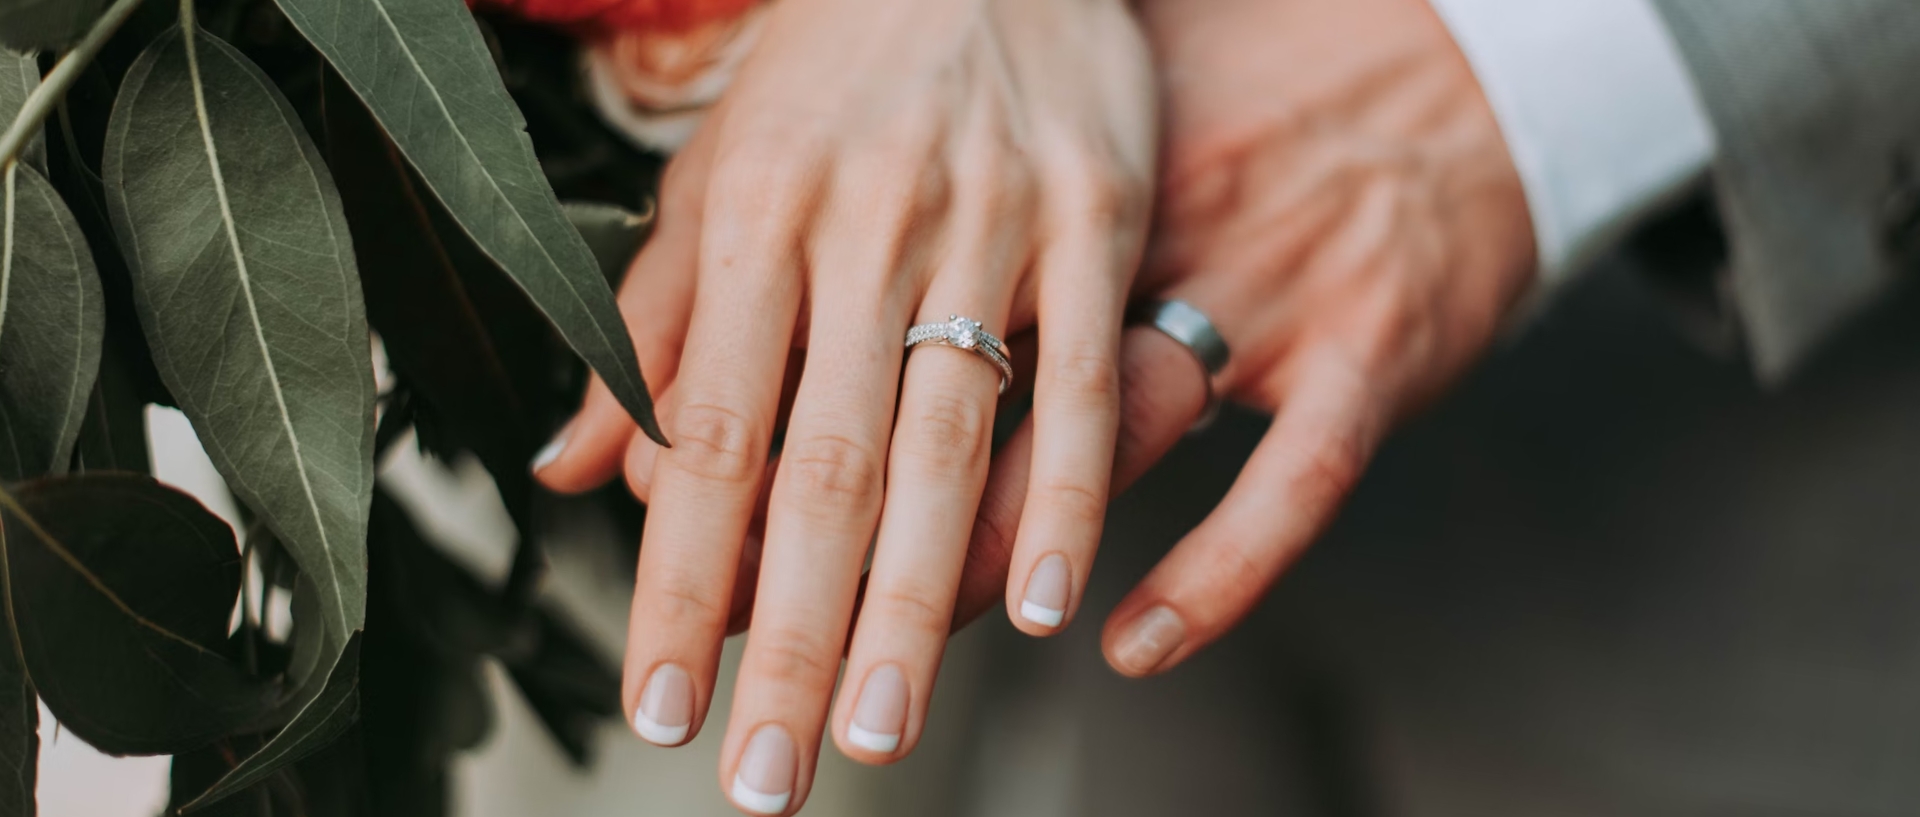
(1191, 328)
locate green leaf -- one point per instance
(192, 772)
(45, 24)
(325, 717)
(245, 282)
(114, 435)
(19, 737)
(432, 619)
(434, 336)
(73, 160)
(614, 233)
(567, 683)
(51, 320)
(120, 591)
(334, 780)
(425, 72)
(19, 75)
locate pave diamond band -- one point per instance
(965, 334)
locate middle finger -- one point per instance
(828, 488)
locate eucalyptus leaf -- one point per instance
(120, 591)
(245, 282)
(73, 162)
(51, 321)
(114, 435)
(192, 772)
(424, 70)
(567, 683)
(326, 716)
(48, 24)
(433, 333)
(19, 75)
(334, 780)
(19, 737)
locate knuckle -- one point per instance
(1087, 376)
(717, 443)
(1329, 472)
(1242, 573)
(1108, 199)
(1098, 192)
(1079, 504)
(948, 430)
(912, 608)
(677, 602)
(792, 657)
(834, 469)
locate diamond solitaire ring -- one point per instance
(965, 334)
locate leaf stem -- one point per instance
(40, 103)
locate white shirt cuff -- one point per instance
(1599, 112)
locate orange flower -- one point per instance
(598, 17)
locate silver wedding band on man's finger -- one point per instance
(1191, 328)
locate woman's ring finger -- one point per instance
(965, 334)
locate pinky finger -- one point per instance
(1288, 492)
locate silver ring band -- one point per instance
(1191, 328)
(965, 334)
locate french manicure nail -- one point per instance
(880, 715)
(1045, 603)
(665, 713)
(1149, 640)
(764, 783)
(552, 450)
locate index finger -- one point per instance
(1298, 476)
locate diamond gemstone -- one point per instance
(963, 333)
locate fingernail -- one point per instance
(666, 706)
(764, 783)
(880, 716)
(1149, 640)
(1047, 587)
(552, 449)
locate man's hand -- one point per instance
(1335, 194)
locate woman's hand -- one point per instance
(877, 164)
(1336, 195)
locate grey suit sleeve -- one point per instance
(1817, 108)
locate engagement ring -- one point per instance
(966, 334)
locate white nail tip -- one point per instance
(658, 733)
(872, 741)
(1042, 615)
(758, 802)
(551, 452)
